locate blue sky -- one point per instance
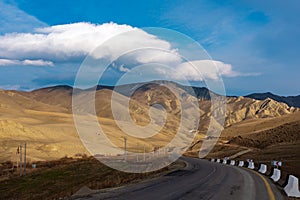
(257, 42)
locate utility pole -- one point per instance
(144, 153)
(20, 160)
(17, 157)
(125, 148)
(137, 152)
(25, 159)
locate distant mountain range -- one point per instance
(203, 93)
(290, 100)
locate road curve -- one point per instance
(201, 179)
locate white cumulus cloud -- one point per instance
(37, 62)
(7, 62)
(68, 41)
(124, 69)
(199, 70)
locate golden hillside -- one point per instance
(43, 118)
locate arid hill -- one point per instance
(43, 118)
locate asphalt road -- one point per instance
(201, 179)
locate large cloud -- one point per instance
(70, 41)
(65, 43)
(199, 70)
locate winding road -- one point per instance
(201, 179)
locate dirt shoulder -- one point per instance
(63, 178)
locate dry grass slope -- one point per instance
(43, 119)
